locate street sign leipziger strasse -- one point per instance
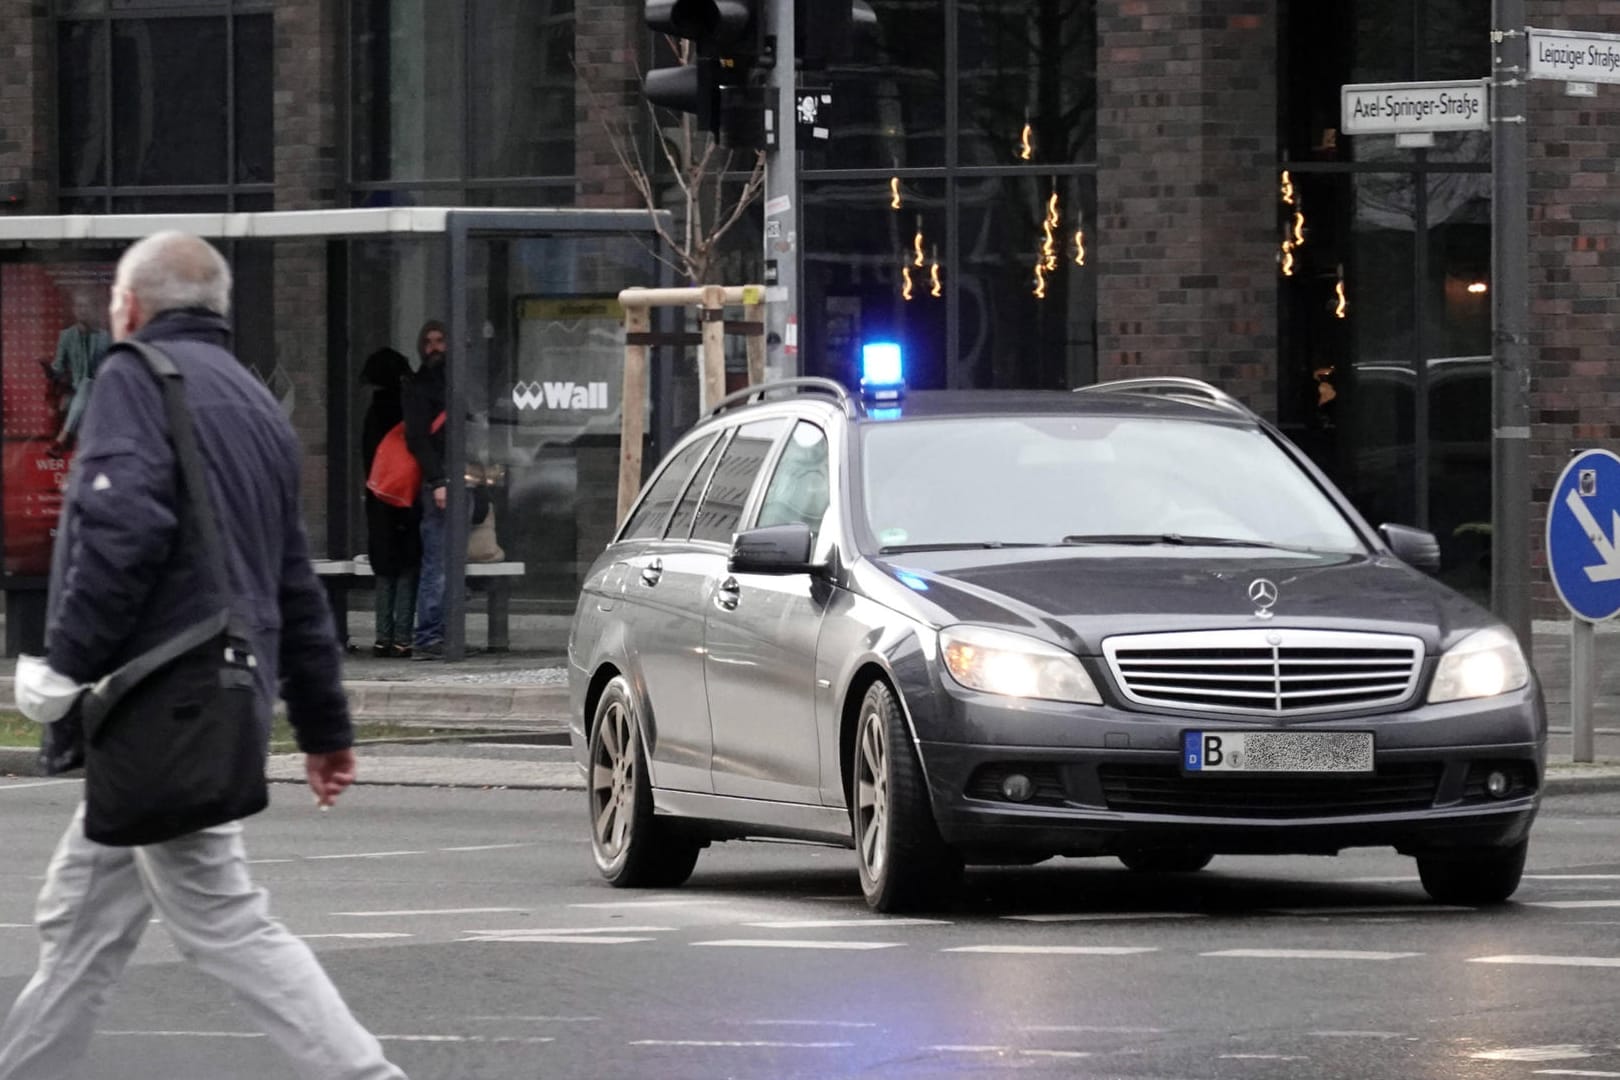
(1583, 528)
(1572, 56)
(1416, 107)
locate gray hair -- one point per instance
(169, 270)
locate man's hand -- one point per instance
(329, 775)
(441, 496)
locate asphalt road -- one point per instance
(467, 928)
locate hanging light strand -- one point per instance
(1026, 149)
(894, 193)
(1341, 308)
(1049, 230)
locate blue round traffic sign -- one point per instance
(1583, 535)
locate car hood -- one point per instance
(1076, 597)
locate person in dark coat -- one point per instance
(393, 544)
(424, 401)
(127, 577)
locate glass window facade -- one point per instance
(450, 99)
(951, 211)
(165, 103)
(1384, 256)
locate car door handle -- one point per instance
(652, 572)
(729, 594)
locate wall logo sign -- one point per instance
(582, 397)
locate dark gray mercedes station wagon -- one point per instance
(993, 627)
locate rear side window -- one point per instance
(648, 520)
(733, 479)
(681, 524)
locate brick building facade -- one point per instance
(1161, 127)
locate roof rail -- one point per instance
(1173, 386)
(807, 385)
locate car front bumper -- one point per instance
(1108, 781)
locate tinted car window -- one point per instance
(799, 488)
(680, 526)
(649, 517)
(1039, 479)
(733, 479)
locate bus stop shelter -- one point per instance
(528, 298)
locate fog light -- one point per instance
(1018, 788)
(1497, 784)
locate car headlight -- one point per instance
(1002, 662)
(1483, 664)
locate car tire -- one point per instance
(904, 864)
(1473, 878)
(632, 848)
(1166, 862)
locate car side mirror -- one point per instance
(1414, 547)
(774, 549)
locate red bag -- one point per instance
(396, 478)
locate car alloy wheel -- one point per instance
(632, 847)
(904, 864)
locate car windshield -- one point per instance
(1002, 481)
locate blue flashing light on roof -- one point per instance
(883, 375)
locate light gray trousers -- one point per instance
(96, 902)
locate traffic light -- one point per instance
(827, 37)
(725, 40)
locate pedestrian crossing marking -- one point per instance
(1574, 905)
(786, 943)
(1550, 961)
(1055, 950)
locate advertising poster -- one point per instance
(53, 335)
(570, 367)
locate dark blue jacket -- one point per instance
(125, 579)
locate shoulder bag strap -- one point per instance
(193, 476)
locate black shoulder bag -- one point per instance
(174, 741)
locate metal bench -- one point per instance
(341, 575)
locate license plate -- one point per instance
(1277, 751)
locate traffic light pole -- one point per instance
(782, 203)
(1510, 442)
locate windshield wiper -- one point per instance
(955, 545)
(1176, 539)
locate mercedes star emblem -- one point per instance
(1263, 594)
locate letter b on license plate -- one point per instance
(1277, 751)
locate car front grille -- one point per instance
(1162, 789)
(1265, 671)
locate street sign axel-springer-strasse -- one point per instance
(1416, 107)
(1583, 528)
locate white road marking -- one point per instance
(558, 939)
(809, 1023)
(745, 1043)
(1571, 877)
(524, 1039)
(268, 862)
(1388, 909)
(1309, 954)
(543, 1019)
(430, 911)
(1056, 1053)
(376, 935)
(1562, 1052)
(1383, 880)
(967, 1048)
(787, 943)
(1358, 1034)
(1573, 1072)
(16, 926)
(1573, 905)
(1055, 950)
(1550, 961)
(36, 783)
(1106, 916)
(486, 847)
(1089, 1029)
(366, 855)
(189, 1034)
(646, 903)
(569, 931)
(1265, 1057)
(820, 924)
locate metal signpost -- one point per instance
(1583, 529)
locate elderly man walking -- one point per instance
(125, 578)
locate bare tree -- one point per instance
(700, 168)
